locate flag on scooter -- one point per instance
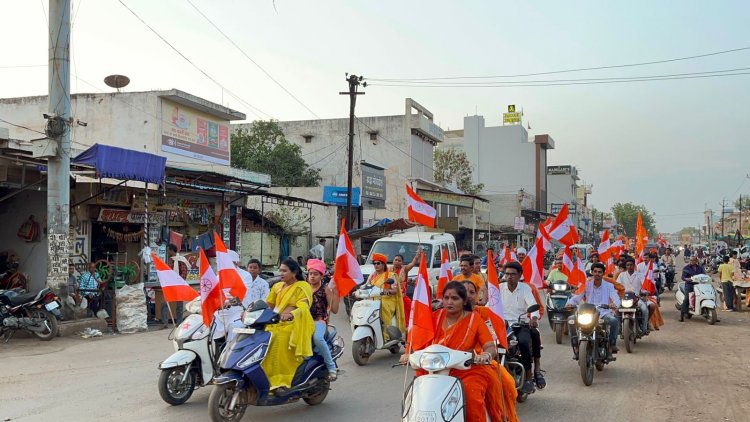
(230, 277)
(578, 275)
(421, 327)
(648, 281)
(563, 229)
(174, 287)
(495, 303)
(533, 263)
(346, 273)
(567, 262)
(418, 210)
(212, 294)
(446, 274)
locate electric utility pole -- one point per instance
(354, 82)
(723, 207)
(58, 128)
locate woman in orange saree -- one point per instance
(459, 328)
(508, 384)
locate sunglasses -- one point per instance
(377, 263)
(513, 274)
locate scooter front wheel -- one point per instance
(360, 351)
(171, 388)
(711, 316)
(221, 399)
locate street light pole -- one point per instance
(354, 82)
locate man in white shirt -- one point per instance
(632, 283)
(642, 269)
(319, 251)
(257, 287)
(597, 292)
(517, 298)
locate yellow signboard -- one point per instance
(511, 118)
(512, 108)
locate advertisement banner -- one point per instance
(188, 132)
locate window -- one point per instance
(373, 136)
(308, 138)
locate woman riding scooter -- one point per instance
(391, 303)
(292, 337)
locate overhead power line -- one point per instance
(23, 127)
(582, 69)
(251, 60)
(237, 97)
(582, 82)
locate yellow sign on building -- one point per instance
(512, 108)
(511, 118)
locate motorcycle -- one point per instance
(557, 313)
(591, 346)
(367, 328)
(192, 364)
(437, 393)
(703, 301)
(669, 277)
(242, 381)
(630, 325)
(512, 359)
(36, 313)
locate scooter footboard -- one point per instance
(435, 398)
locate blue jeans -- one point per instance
(320, 344)
(614, 328)
(643, 305)
(728, 288)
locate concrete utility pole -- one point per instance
(354, 82)
(58, 129)
(723, 207)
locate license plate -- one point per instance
(627, 310)
(501, 351)
(52, 305)
(244, 330)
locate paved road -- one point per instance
(686, 372)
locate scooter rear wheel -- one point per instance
(171, 389)
(218, 403)
(320, 395)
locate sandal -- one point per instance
(332, 376)
(539, 380)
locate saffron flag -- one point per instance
(578, 275)
(648, 282)
(446, 274)
(175, 289)
(641, 236)
(505, 256)
(212, 295)
(346, 273)
(567, 262)
(418, 210)
(421, 327)
(228, 274)
(494, 301)
(533, 263)
(562, 229)
(513, 256)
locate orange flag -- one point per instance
(228, 274)
(346, 272)
(446, 274)
(421, 327)
(175, 289)
(212, 294)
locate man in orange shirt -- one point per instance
(466, 265)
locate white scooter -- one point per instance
(705, 298)
(367, 331)
(436, 396)
(192, 363)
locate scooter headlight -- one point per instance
(194, 306)
(202, 333)
(249, 318)
(585, 319)
(373, 316)
(559, 287)
(433, 361)
(452, 403)
(627, 303)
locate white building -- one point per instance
(563, 187)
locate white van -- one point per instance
(406, 244)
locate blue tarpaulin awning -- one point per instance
(123, 164)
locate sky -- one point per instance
(675, 146)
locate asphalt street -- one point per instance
(686, 372)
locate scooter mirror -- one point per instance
(533, 308)
(390, 281)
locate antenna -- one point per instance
(117, 81)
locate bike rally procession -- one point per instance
(518, 211)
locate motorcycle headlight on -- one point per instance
(434, 361)
(627, 303)
(559, 287)
(585, 319)
(249, 318)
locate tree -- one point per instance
(745, 203)
(690, 231)
(627, 215)
(264, 149)
(453, 166)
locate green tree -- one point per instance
(452, 166)
(745, 203)
(627, 215)
(264, 149)
(689, 231)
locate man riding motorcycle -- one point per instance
(633, 283)
(600, 293)
(690, 270)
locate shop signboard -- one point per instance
(191, 133)
(336, 195)
(111, 215)
(519, 223)
(552, 170)
(373, 186)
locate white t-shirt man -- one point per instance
(631, 282)
(256, 289)
(516, 303)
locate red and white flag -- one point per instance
(604, 246)
(494, 301)
(562, 229)
(648, 282)
(174, 287)
(446, 274)
(513, 256)
(346, 272)
(567, 262)
(418, 210)
(212, 294)
(421, 330)
(533, 264)
(504, 256)
(578, 275)
(230, 277)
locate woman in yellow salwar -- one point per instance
(291, 339)
(391, 303)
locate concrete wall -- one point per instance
(33, 255)
(561, 188)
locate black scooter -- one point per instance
(557, 314)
